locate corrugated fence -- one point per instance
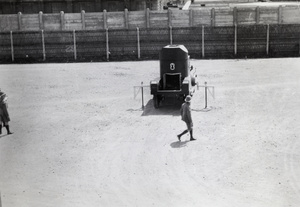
(142, 43)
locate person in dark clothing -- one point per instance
(186, 116)
(4, 115)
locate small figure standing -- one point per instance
(186, 116)
(4, 116)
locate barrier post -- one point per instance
(299, 46)
(62, 20)
(104, 19)
(83, 19)
(203, 49)
(191, 17)
(171, 36)
(170, 17)
(126, 18)
(235, 15)
(75, 49)
(235, 39)
(41, 25)
(142, 96)
(12, 46)
(137, 90)
(257, 15)
(43, 44)
(280, 14)
(205, 86)
(268, 39)
(147, 18)
(20, 20)
(213, 17)
(138, 42)
(107, 45)
(206, 90)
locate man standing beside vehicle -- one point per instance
(186, 116)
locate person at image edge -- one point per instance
(4, 115)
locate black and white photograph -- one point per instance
(139, 103)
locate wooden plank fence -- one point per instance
(145, 43)
(151, 19)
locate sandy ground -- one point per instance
(81, 139)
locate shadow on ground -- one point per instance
(3, 135)
(178, 144)
(166, 107)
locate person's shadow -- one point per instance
(3, 135)
(178, 144)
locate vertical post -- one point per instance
(203, 46)
(169, 18)
(12, 46)
(235, 39)
(0, 200)
(138, 42)
(280, 14)
(213, 17)
(171, 36)
(257, 15)
(20, 20)
(83, 19)
(147, 18)
(75, 49)
(191, 17)
(268, 39)
(107, 46)
(62, 20)
(299, 46)
(126, 18)
(205, 86)
(41, 20)
(235, 20)
(104, 19)
(43, 44)
(142, 96)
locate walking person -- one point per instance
(4, 116)
(186, 116)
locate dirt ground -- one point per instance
(81, 139)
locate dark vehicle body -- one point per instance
(175, 75)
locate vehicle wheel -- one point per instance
(156, 101)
